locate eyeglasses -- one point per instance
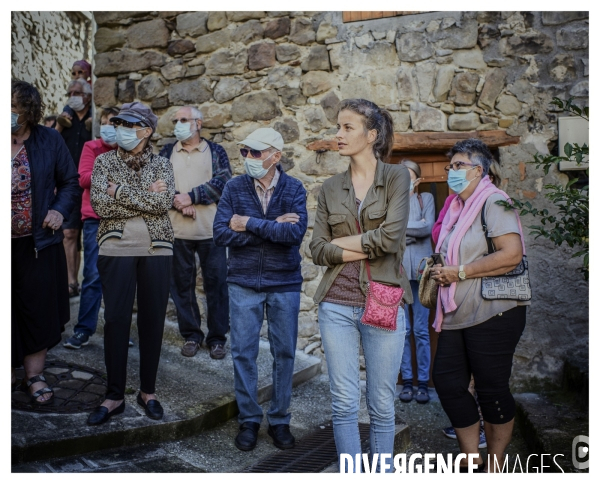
(184, 120)
(255, 153)
(127, 124)
(457, 166)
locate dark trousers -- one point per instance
(486, 350)
(120, 277)
(213, 263)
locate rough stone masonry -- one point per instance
(44, 46)
(435, 72)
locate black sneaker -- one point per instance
(77, 341)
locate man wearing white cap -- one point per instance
(262, 218)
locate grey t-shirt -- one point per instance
(472, 309)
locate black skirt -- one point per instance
(39, 300)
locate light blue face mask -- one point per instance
(412, 186)
(108, 134)
(127, 138)
(255, 169)
(14, 126)
(183, 131)
(457, 180)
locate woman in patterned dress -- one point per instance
(44, 188)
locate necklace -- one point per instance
(15, 138)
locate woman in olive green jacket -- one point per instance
(376, 195)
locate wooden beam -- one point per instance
(327, 145)
(433, 141)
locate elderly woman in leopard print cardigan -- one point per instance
(132, 190)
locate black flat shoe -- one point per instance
(153, 408)
(282, 437)
(247, 436)
(101, 414)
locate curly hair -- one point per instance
(474, 149)
(374, 118)
(28, 99)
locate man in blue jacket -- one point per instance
(262, 219)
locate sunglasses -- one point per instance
(255, 153)
(184, 120)
(127, 124)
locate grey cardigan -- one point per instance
(418, 233)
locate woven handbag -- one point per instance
(383, 301)
(428, 288)
(513, 285)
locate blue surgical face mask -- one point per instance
(14, 125)
(108, 134)
(255, 169)
(127, 138)
(183, 131)
(457, 180)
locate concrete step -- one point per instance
(196, 393)
(576, 378)
(549, 423)
(213, 450)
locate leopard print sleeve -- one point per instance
(103, 204)
(138, 198)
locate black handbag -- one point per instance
(512, 285)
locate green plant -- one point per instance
(570, 225)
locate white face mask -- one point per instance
(76, 103)
(255, 169)
(183, 131)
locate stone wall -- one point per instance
(439, 71)
(44, 46)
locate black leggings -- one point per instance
(486, 350)
(120, 277)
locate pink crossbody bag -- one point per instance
(381, 309)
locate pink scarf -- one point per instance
(463, 215)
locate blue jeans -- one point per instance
(342, 332)
(91, 288)
(420, 328)
(247, 309)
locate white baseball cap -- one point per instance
(263, 138)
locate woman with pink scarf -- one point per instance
(477, 336)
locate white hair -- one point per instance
(195, 112)
(85, 86)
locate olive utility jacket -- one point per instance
(383, 221)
